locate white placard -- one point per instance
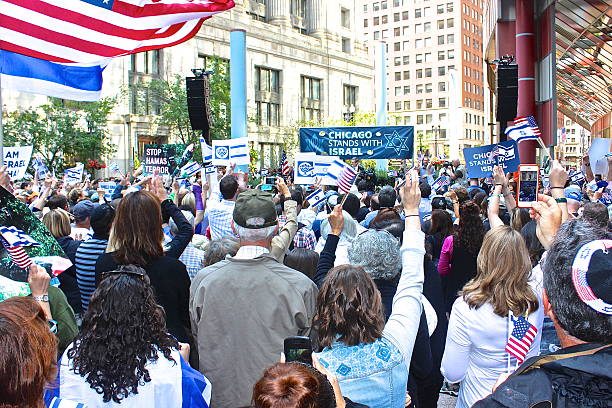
(16, 160)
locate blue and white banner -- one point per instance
(577, 177)
(114, 167)
(369, 142)
(79, 82)
(263, 172)
(304, 170)
(40, 167)
(74, 174)
(16, 160)
(228, 151)
(206, 150)
(479, 161)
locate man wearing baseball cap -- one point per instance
(577, 270)
(244, 307)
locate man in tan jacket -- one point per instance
(243, 308)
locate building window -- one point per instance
(418, 58)
(404, 15)
(397, 61)
(406, 74)
(398, 76)
(427, 42)
(428, 57)
(376, 6)
(419, 73)
(428, 118)
(146, 62)
(406, 120)
(418, 13)
(397, 3)
(426, 27)
(397, 32)
(365, 22)
(385, 33)
(440, 40)
(406, 105)
(419, 104)
(441, 55)
(345, 17)
(442, 117)
(450, 23)
(311, 98)
(384, 19)
(419, 89)
(349, 93)
(398, 106)
(396, 17)
(428, 103)
(144, 65)
(449, 7)
(346, 45)
(376, 35)
(428, 88)
(428, 73)
(383, 4)
(267, 96)
(419, 120)
(450, 54)
(440, 8)
(376, 20)
(442, 102)
(406, 59)
(450, 38)
(398, 91)
(440, 24)
(406, 89)
(441, 71)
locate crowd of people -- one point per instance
(184, 296)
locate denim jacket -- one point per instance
(372, 374)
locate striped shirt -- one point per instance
(86, 257)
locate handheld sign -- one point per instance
(479, 161)
(369, 142)
(16, 160)
(162, 158)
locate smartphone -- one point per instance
(298, 348)
(270, 180)
(528, 184)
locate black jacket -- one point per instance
(68, 280)
(577, 376)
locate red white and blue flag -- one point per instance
(524, 128)
(13, 240)
(285, 167)
(342, 174)
(522, 336)
(440, 182)
(90, 31)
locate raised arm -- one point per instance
(402, 326)
(282, 241)
(328, 255)
(493, 207)
(558, 177)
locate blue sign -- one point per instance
(369, 142)
(479, 161)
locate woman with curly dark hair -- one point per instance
(457, 263)
(124, 354)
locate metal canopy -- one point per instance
(584, 57)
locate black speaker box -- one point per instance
(507, 92)
(198, 94)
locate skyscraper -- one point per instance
(434, 69)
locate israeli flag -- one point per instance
(206, 150)
(226, 152)
(316, 198)
(78, 82)
(74, 174)
(16, 237)
(520, 133)
(40, 167)
(577, 177)
(190, 169)
(114, 167)
(263, 172)
(210, 169)
(335, 170)
(440, 182)
(507, 153)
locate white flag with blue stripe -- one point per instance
(74, 174)
(78, 82)
(190, 169)
(520, 133)
(228, 151)
(16, 237)
(206, 150)
(316, 198)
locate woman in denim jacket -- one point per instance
(371, 358)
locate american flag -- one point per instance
(13, 240)
(342, 175)
(90, 31)
(440, 182)
(528, 121)
(285, 167)
(521, 338)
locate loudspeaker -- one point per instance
(507, 92)
(198, 95)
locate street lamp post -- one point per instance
(435, 130)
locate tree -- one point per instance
(63, 132)
(171, 99)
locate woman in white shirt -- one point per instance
(480, 324)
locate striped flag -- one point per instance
(90, 31)
(524, 128)
(522, 336)
(206, 150)
(114, 167)
(18, 255)
(343, 175)
(13, 240)
(316, 198)
(285, 167)
(440, 182)
(530, 122)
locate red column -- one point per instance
(526, 59)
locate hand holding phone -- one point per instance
(528, 184)
(298, 348)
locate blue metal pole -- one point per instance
(238, 86)
(381, 82)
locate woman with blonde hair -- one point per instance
(502, 291)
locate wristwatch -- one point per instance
(42, 298)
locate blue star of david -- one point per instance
(396, 142)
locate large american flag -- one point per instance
(90, 31)
(522, 336)
(285, 167)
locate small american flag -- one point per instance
(440, 182)
(285, 168)
(529, 121)
(18, 255)
(521, 338)
(346, 179)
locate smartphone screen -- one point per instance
(301, 355)
(270, 180)
(528, 186)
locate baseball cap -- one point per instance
(82, 210)
(255, 209)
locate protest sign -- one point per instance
(108, 187)
(600, 147)
(479, 161)
(17, 214)
(74, 174)
(304, 171)
(228, 151)
(40, 167)
(162, 158)
(369, 142)
(16, 160)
